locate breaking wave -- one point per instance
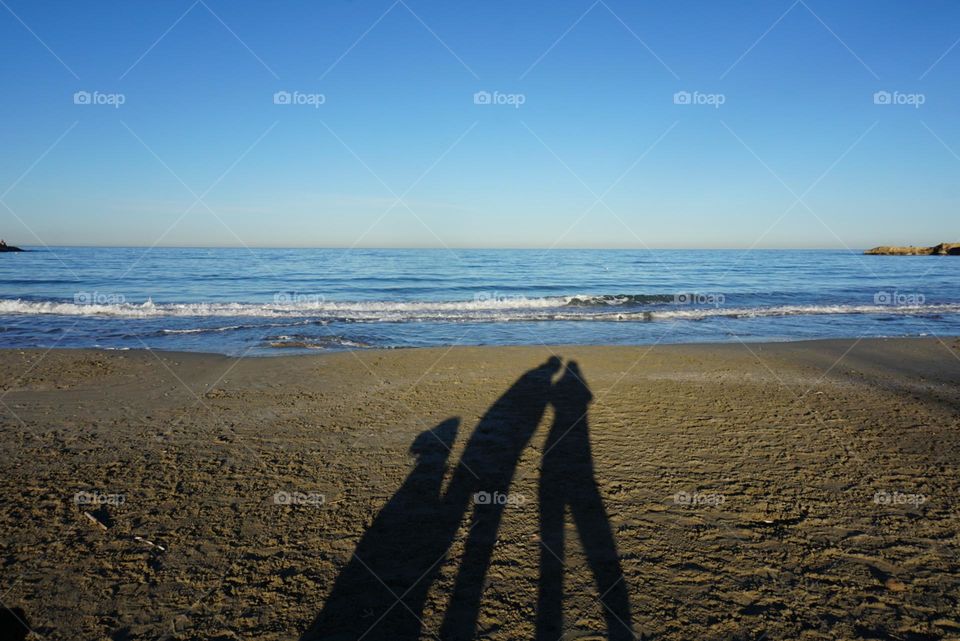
(493, 308)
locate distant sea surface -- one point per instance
(280, 301)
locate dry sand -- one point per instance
(822, 476)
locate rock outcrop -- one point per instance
(943, 249)
(9, 248)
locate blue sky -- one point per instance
(597, 155)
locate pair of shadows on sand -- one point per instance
(381, 592)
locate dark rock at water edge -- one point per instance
(943, 249)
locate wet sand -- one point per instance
(795, 490)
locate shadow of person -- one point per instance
(567, 480)
(483, 476)
(381, 591)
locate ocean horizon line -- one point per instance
(453, 248)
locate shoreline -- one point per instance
(795, 489)
(323, 352)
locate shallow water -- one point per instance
(268, 301)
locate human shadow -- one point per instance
(567, 481)
(382, 591)
(484, 475)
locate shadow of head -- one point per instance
(435, 444)
(543, 373)
(572, 387)
(552, 365)
(13, 624)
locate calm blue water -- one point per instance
(271, 301)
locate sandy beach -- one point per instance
(541, 321)
(778, 491)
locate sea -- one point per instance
(263, 302)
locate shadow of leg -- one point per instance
(601, 550)
(461, 617)
(550, 599)
(567, 479)
(488, 465)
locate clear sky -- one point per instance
(599, 153)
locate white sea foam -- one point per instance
(322, 307)
(565, 308)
